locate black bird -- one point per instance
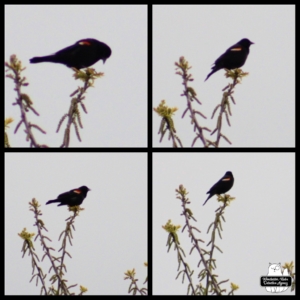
(222, 186)
(82, 54)
(233, 58)
(71, 198)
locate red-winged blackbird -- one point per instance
(233, 58)
(71, 198)
(222, 186)
(82, 54)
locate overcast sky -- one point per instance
(111, 233)
(117, 105)
(260, 222)
(264, 114)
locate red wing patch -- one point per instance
(85, 43)
(77, 191)
(226, 179)
(236, 49)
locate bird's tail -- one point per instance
(207, 199)
(212, 72)
(39, 59)
(52, 201)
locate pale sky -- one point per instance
(111, 233)
(117, 105)
(264, 114)
(260, 222)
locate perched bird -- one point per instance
(71, 198)
(233, 58)
(82, 54)
(222, 186)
